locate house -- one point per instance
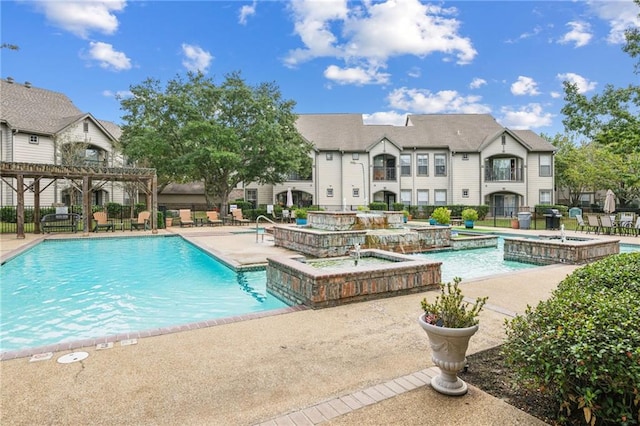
(45, 127)
(435, 159)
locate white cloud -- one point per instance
(385, 117)
(356, 75)
(556, 95)
(374, 32)
(107, 57)
(620, 16)
(414, 72)
(580, 34)
(537, 30)
(422, 101)
(195, 58)
(83, 17)
(120, 94)
(246, 11)
(582, 83)
(525, 86)
(477, 83)
(527, 117)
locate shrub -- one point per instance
(300, 213)
(582, 345)
(378, 205)
(441, 215)
(450, 310)
(398, 207)
(469, 214)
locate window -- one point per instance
(329, 192)
(545, 196)
(405, 197)
(329, 156)
(405, 165)
(585, 200)
(33, 139)
(252, 196)
(465, 193)
(440, 161)
(422, 161)
(545, 165)
(465, 157)
(85, 126)
(356, 192)
(440, 197)
(355, 156)
(423, 197)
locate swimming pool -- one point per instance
(474, 263)
(65, 290)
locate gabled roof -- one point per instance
(36, 110)
(456, 132)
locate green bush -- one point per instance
(397, 207)
(582, 345)
(441, 215)
(378, 205)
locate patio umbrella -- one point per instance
(289, 198)
(609, 202)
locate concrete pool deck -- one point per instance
(359, 364)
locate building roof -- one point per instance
(457, 132)
(31, 109)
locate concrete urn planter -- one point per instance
(448, 352)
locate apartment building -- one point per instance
(45, 127)
(434, 159)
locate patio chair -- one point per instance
(606, 224)
(185, 218)
(580, 223)
(636, 227)
(239, 218)
(286, 216)
(625, 223)
(213, 218)
(142, 221)
(102, 222)
(593, 224)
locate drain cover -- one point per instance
(72, 357)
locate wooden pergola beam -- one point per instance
(88, 174)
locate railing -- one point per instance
(260, 231)
(384, 173)
(504, 175)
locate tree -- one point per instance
(222, 135)
(610, 118)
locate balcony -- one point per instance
(504, 175)
(384, 173)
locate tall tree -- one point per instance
(222, 135)
(611, 118)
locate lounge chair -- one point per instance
(185, 218)
(102, 222)
(593, 224)
(606, 224)
(580, 223)
(286, 216)
(239, 218)
(213, 218)
(625, 223)
(142, 221)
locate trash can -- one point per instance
(574, 211)
(552, 219)
(524, 220)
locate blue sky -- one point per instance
(384, 59)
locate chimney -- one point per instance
(27, 84)
(10, 80)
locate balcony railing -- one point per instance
(504, 175)
(384, 173)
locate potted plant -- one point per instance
(169, 218)
(441, 215)
(301, 216)
(469, 216)
(407, 215)
(449, 323)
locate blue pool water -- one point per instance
(87, 288)
(475, 263)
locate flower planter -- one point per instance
(301, 222)
(448, 352)
(468, 224)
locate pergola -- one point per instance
(146, 178)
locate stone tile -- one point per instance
(314, 415)
(327, 410)
(353, 403)
(363, 398)
(299, 419)
(340, 406)
(373, 393)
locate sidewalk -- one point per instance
(359, 364)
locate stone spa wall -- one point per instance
(552, 250)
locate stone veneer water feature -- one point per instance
(316, 284)
(547, 250)
(331, 234)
